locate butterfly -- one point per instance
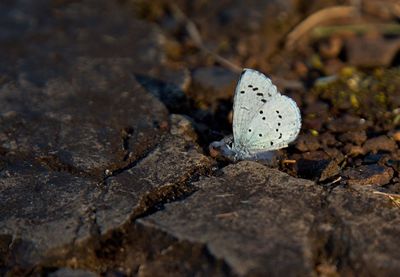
(263, 119)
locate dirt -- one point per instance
(107, 111)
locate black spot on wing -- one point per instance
(250, 86)
(242, 92)
(280, 136)
(259, 94)
(254, 89)
(263, 100)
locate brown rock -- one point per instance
(355, 137)
(317, 165)
(381, 143)
(353, 150)
(307, 142)
(396, 136)
(229, 215)
(327, 139)
(369, 175)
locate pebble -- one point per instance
(355, 137)
(307, 142)
(372, 174)
(381, 143)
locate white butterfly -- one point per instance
(263, 119)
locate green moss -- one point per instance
(372, 95)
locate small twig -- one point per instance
(316, 19)
(334, 181)
(289, 161)
(224, 195)
(395, 198)
(195, 35)
(227, 215)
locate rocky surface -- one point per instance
(290, 226)
(107, 109)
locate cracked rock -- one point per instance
(161, 174)
(363, 234)
(46, 213)
(254, 218)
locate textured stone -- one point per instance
(255, 218)
(363, 232)
(372, 174)
(45, 213)
(260, 222)
(382, 143)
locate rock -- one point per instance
(375, 159)
(84, 97)
(257, 221)
(169, 85)
(353, 150)
(307, 142)
(317, 165)
(381, 143)
(70, 210)
(111, 109)
(42, 210)
(228, 214)
(396, 136)
(327, 139)
(355, 137)
(160, 175)
(368, 175)
(362, 233)
(89, 123)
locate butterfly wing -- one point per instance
(275, 125)
(253, 91)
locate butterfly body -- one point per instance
(263, 119)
